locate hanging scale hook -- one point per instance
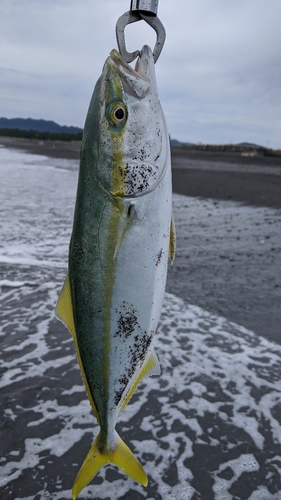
(145, 10)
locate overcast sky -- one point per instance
(219, 75)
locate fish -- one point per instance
(122, 239)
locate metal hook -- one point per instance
(132, 17)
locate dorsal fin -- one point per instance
(64, 312)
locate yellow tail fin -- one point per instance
(95, 460)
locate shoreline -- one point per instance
(253, 180)
(241, 282)
(54, 149)
(181, 157)
(237, 158)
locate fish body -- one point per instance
(121, 239)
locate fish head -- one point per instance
(131, 139)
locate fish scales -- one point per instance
(121, 239)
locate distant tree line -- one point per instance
(244, 149)
(34, 134)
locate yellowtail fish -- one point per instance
(121, 239)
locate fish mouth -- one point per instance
(135, 81)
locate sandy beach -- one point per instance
(231, 262)
(239, 275)
(207, 428)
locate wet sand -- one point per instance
(228, 257)
(209, 426)
(223, 176)
(238, 273)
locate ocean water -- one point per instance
(209, 427)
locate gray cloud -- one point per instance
(219, 74)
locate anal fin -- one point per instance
(150, 366)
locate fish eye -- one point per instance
(116, 113)
(119, 114)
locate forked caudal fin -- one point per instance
(95, 460)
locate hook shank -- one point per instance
(148, 7)
(132, 17)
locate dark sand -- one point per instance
(224, 176)
(244, 288)
(239, 276)
(215, 428)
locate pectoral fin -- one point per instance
(130, 216)
(172, 245)
(64, 312)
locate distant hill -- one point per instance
(38, 125)
(249, 145)
(175, 142)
